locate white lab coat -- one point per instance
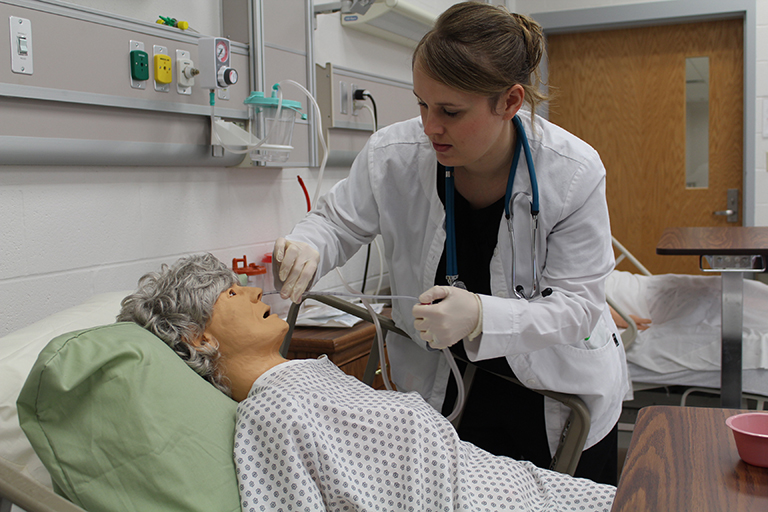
(563, 342)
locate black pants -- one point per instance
(506, 419)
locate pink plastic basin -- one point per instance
(750, 430)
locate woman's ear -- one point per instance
(511, 101)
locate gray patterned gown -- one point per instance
(309, 437)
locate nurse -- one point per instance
(452, 194)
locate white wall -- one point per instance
(202, 15)
(67, 233)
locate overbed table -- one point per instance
(685, 458)
(732, 249)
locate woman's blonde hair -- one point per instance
(484, 49)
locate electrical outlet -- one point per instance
(163, 69)
(343, 98)
(352, 98)
(139, 65)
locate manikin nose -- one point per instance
(256, 293)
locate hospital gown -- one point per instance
(310, 437)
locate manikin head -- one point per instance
(198, 308)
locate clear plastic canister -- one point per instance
(277, 129)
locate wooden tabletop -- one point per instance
(731, 240)
(685, 458)
(341, 344)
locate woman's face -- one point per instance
(242, 324)
(461, 126)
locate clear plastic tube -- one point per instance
(353, 294)
(381, 264)
(318, 118)
(380, 338)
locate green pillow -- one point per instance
(122, 423)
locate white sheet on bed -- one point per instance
(18, 352)
(686, 330)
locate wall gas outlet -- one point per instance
(185, 72)
(163, 69)
(21, 45)
(139, 65)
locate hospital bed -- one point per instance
(685, 353)
(124, 424)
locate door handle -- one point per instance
(731, 213)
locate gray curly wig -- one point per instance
(176, 305)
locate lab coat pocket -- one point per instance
(594, 367)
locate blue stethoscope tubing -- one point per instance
(521, 143)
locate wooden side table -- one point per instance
(685, 458)
(347, 347)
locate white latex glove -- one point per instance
(296, 263)
(457, 316)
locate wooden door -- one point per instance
(623, 91)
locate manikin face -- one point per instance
(463, 129)
(242, 324)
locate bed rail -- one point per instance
(28, 494)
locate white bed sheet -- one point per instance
(685, 311)
(682, 346)
(753, 381)
(18, 352)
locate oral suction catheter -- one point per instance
(351, 294)
(379, 335)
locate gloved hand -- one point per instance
(296, 263)
(458, 315)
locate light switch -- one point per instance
(21, 45)
(23, 50)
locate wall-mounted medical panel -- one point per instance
(347, 124)
(280, 33)
(90, 101)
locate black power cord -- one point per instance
(361, 95)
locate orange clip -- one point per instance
(241, 266)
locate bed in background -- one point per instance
(682, 345)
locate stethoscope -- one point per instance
(521, 143)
